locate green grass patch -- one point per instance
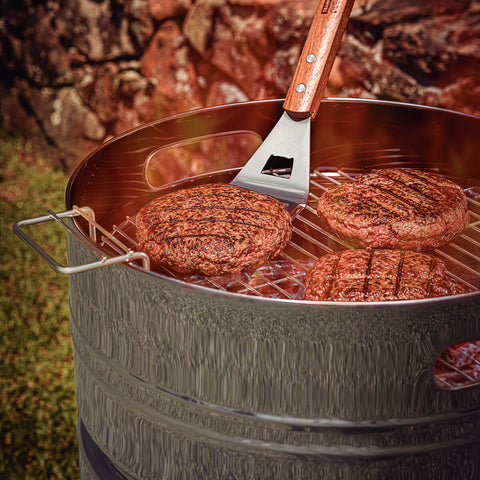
(38, 412)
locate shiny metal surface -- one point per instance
(88, 214)
(171, 375)
(289, 140)
(181, 381)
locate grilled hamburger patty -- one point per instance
(368, 275)
(213, 229)
(396, 208)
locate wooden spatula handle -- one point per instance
(316, 60)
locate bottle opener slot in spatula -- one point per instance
(289, 141)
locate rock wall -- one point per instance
(75, 72)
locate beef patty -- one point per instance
(368, 275)
(395, 208)
(213, 229)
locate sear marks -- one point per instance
(395, 208)
(369, 275)
(213, 229)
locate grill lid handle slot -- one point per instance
(86, 213)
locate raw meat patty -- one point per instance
(368, 275)
(395, 208)
(213, 229)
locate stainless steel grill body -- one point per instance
(175, 380)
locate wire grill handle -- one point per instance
(86, 213)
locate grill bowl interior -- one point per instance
(349, 137)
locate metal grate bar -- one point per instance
(121, 232)
(293, 278)
(313, 241)
(318, 229)
(295, 262)
(271, 284)
(454, 261)
(247, 286)
(457, 370)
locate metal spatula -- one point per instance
(288, 144)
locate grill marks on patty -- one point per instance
(213, 229)
(396, 208)
(190, 223)
(414, 192)
(397, 197)
(367, 275)
(184, 218)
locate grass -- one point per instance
(37, 405)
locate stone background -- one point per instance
(76, 72)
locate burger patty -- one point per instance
(213, 229)
(395, 208)
(368, 275)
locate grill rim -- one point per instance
(398, 303)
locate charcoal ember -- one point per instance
(458, 366)
(280, 279)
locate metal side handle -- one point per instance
(87, 213)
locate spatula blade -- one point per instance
(289, 139)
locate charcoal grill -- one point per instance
(226, 376)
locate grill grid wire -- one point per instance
(283, 277)
(457, 367)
